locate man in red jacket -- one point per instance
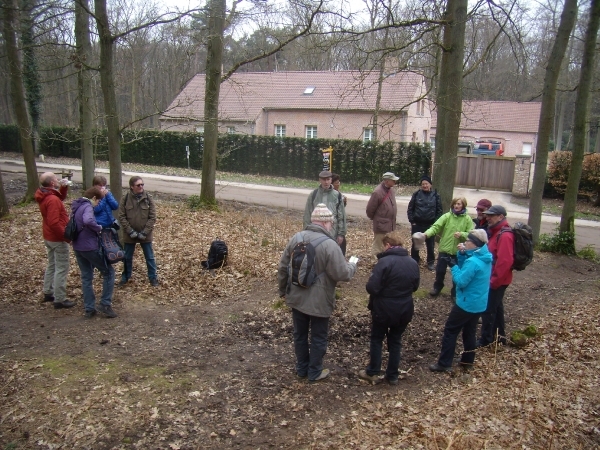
(50, 198)
(501, 245)
(382, 210)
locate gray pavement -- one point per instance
(587, 232)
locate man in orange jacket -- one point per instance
(50, 196)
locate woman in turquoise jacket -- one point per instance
(452, 228)
(472, 278)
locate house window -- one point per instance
(230, 130)
(414, 136)
(311, 132)
(280, 130)
(424, 136)
(527, 148)
(422, 107)
(418, 108)
(367, 134)
(200, 129)
(309, 90)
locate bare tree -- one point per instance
(567, 21)
(582, 108)
(449, 101)
(4, 209)
(10, 9)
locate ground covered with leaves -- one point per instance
(207, 362)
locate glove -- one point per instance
(141, 236)
(133, 234)
(115, 225)
(451, 261)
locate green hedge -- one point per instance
(356, 161)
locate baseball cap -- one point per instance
(389, 176)
(495, 209)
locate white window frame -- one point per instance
(529, 144)
(230, 130)
(367, 134)
(310, 131)
(280, 130)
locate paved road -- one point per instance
(587, 232)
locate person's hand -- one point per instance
(65, 182)
(340, 240)
(141, 236)
(461, 247)
(450, 260)
(133, 234)
(457, 235)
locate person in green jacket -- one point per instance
(453, 228)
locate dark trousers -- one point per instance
(492, 320)
(440, 274)
(394, 336)
(429, 244)
(343, 246)
(309, 358)
(458, 320)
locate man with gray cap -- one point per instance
(334, 201)
(501, 246)
(382, 210)
(313, 305)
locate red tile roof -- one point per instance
(498, 116)
(244, 95)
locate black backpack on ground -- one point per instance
(523, 249)
(217, 255)
(301, 269)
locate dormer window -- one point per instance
(309, 90)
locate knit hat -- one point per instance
(478, 237)
(426, 178)
(389, 176)
(321, 214)
(484, 204)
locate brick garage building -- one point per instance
(311, 105)
(515, 124)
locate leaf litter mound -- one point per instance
(206, 361)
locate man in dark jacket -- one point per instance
(424, 208)
(391, 284)
(481, 220)
(382, 210)
(312, 306)
(50, 197)
(501, 245)
(137, 216)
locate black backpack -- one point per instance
(523, 251)
(71, 230)
(301, 269)
(217, 255)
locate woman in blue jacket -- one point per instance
(103, 210)
(471, 276)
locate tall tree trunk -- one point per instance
(4, 210)
(382, 64)
(107, 83)
(449, 101)
(18, 96)
(214, 57)
(567, 21)
(582, 108)
(33, 88)
(560, 121)
(84, 85)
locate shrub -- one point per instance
(561, 242)
(560, 167)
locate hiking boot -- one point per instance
(431, 265)
(122, 283)
(391, 382)
(154, 282)
(89, 314)
(107, 311)
(374, 379)
(65, 304)
(324, 374)
(434, 292)
(48, 298)
(437, 368)
(301, 377)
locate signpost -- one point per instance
(187, 151)
(328, 159)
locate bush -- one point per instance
(561, 242)
(560, 167)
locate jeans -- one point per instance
(394, 335)
(440, 274)
(309, 361)
(429, 244)
(87, 261)
(57, 269)
(128, 261)
(458, 320)
(492, 320)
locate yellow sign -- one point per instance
(328, 159)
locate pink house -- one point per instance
(514, 124)
(310, 105)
